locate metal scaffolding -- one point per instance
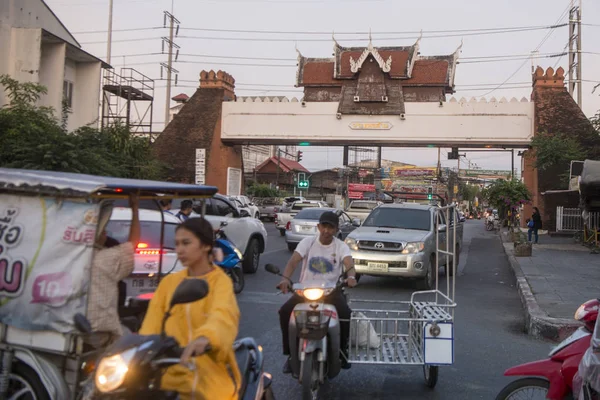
(128, 99)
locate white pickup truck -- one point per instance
(285, 216)
(361, 209)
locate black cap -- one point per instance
(331, 218)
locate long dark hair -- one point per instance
(536, 210)
(201, 228)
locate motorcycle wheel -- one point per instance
(512, 390)
(310, 377)
(24, 384)
(237, 276)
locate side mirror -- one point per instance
(244, 213)
(250, 204)
(223, 224)
(356, 222)
(82, 324)
(272, 269)
(442, 228)
(189, 291)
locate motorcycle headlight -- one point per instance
(352, 243)
(238, 253)
(313, 294)
(413, 247)
(112, 370)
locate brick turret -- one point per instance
(218, 80)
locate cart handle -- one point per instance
(451, 305)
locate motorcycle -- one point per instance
(314, 336)
(232, 259)
(560, 368)
(133, 366)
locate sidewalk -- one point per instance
(558, 277)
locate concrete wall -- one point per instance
(52, 72)
(23, 56)
(455, 123)
(86, 103)
(33, 14)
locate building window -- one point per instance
(68, 93)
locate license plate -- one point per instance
(307, 228)
(137, 286)
(379, 267)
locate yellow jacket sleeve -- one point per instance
(156, 310)
(221, 327)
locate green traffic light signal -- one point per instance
(303, 184)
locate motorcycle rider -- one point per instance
(324, 257)
(205, 328)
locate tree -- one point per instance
(468, 192)
(262, 190)
(506, 195)
(31, 137)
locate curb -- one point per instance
(537, 322)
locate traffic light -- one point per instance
(299, 156)
(430, 193)
(302, 181)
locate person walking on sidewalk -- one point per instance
(536, 218)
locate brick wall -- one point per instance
(555, 112)
(198, 125)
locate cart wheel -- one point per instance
(430, 372)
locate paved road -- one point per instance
(489, 334)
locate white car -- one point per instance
(244, 202)
(247, 234)
(147, 252)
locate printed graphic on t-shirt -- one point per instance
(320, 265)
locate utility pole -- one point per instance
(110, 21)
(575, 51)
(512, 164)
(169, 65)
(278, 163)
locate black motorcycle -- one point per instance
(133, 366)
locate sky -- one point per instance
(263, 63)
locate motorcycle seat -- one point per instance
(244, 359)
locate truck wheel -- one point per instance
(251, 258)
(25, 384)
(428, 282)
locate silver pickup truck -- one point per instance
(400, 240)
(361, 209)
(284, 216)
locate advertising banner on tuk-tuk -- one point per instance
(46, 248)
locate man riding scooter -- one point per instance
(324, 257)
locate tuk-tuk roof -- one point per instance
(81, 185)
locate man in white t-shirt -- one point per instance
(324, 259)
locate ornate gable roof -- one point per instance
(398, 63)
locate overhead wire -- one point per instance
(546, 37)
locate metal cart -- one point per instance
(415, 332)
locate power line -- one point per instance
(560, 18)
(119, 30)
(358, 39)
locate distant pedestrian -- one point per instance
(535, 224)
(185, 211)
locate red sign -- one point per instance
(360, 187)
(355, 195)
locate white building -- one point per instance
(36, 47)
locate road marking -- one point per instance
(273, 251)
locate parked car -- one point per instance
(147, 253)
(286, 215)
(361, 208)
(304, 224)
(400, 240)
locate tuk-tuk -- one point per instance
(49, 222)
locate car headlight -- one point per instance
(413, 247)
(352, 243)
(238, 253)
(112, 370)
(313, 294)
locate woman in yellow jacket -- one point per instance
(208, 324)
